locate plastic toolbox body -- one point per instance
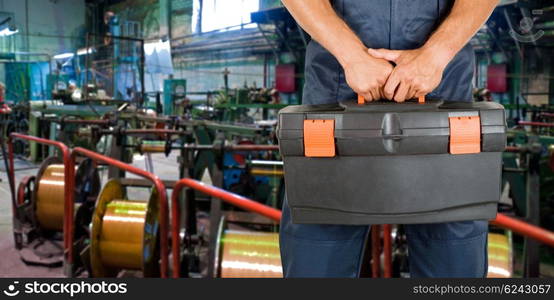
(391, 163)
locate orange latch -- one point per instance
(465, 134)
(319, 138)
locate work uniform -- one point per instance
(456, 249)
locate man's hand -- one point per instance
(367, 75)
(417, 72)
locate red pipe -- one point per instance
(375, 251)
(387, 251)
(525, 229)
(162, 197)
(538, 124)
(68, 185)
(213, 191)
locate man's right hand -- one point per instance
(367, 76)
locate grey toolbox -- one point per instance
(392, 163)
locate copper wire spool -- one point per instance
(249, 254)
(267, 168)
(499, 256)
(124, 233)
(152, 148)
(49, 192)
(267, 172)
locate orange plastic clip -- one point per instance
(465, 134)
(361, 99)
(319, 138)
(421, 99)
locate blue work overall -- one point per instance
(456, 249)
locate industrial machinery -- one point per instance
(40, 212)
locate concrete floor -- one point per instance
(10, 262)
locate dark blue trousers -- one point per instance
(457, 249)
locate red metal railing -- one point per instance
(387, 250)
(525, 229)
(537, 124)
(162, 197)
(213, 191)
(68, 186)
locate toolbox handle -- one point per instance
(385, 105)
(361, 100)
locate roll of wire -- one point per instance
(124, 233)
(50, 190)
(267, 168)
(152, 147)
(248, 254)
(499, 255)
(50, 193)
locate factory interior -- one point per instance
(140, 139)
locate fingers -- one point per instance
(382, 94)
(390, 55)
(401, 92)
(420, 93)
(392, 84)
(412, 92)
(374, 94)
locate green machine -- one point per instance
(175, 90)
(40, 124)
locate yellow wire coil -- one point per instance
(499, 256)
(50, 198)
(124, 233)
(250, 254)
(152, 148)
(267, 172)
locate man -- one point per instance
(350, 55)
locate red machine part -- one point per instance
(496, 78)
(24, 189)
(536, 124)
(68, 187)
(525, 229)
(285, 78)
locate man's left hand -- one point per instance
(417, 72)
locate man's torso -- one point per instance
(390, 24)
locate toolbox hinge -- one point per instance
(319, 138)
(465, 134)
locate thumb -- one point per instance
(390, 55)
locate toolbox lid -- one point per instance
(389, 128)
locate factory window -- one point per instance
(223, 14)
